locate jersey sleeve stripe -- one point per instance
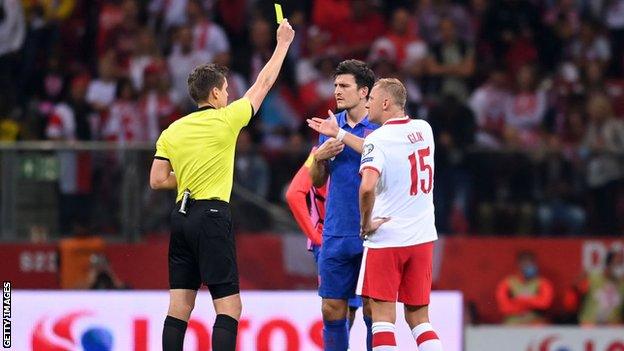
(161, 158)
(369, 167)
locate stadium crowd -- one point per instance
(526, 98)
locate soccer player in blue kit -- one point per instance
(341, 255)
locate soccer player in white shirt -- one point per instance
(397, 218)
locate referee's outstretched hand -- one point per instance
(285, 33)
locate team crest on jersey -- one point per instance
(368, 148)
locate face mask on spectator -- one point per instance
(529, 271)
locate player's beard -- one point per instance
(345, 105)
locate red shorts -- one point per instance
(403, 272)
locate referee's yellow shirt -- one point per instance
(200, 148)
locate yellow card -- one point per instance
(278, 13)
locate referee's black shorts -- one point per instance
(202, 249)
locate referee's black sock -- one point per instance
(173, 334)
(224, 333)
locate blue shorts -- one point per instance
(354, 302)
(339, 266)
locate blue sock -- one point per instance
(369, 332)
(335, 335)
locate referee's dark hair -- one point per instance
(364, 76)
(204, 78)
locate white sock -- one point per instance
(383, 337)
(426, 338)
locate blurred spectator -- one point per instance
(525, 297)
(43, 36)
(110, 15)
(181, 62)
(596, 82)
(101, 275)
(489, 103)
(251, 170)
(261, 37)
(123, 123)
(401, 44)
(157, 102)
(613, 16)
(604, 145)
(329, 15)
(454, 127)
(560, 207)
(432, 12)
(363, 26)
(603, 303)
(590, 46)
(123, 37)
(102, 90)
(504, 21)
(317, 95)
(144, 53)
(168, 13)
(207, 35)
(12, 34)
(451, 63)
(525, 111)
(72, 121)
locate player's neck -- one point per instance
(394, 115)
(356, 114)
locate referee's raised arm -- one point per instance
(269, 72)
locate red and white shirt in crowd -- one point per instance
(489, 105)
(157, 111)
(210, 37)
(525, 112)
(124, 123)
(402, 152)
(75, 169)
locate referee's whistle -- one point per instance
(184, 203)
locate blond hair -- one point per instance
(395, 88)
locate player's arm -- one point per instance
(319, 169)
(370, 177)
(162, 176)
(368, 225)
(269, 72)
(330, 128)
(296, 199)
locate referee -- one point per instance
(196, 156)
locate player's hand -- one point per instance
(285, 33)
(369, 229)
(330, 148)
(328, 126)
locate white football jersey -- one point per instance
(401, 151)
